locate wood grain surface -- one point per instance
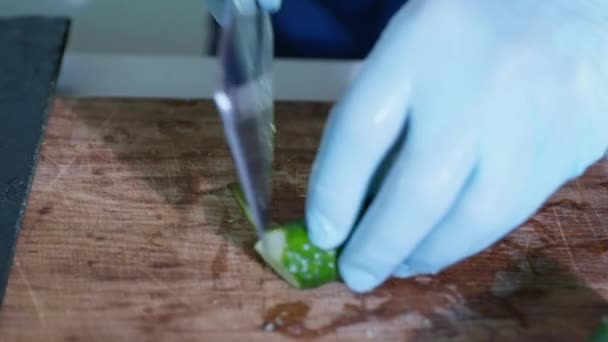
(131, 235)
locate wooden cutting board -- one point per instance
(131, 235)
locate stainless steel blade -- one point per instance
(245, 102)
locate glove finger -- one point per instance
(361, 129)
(248, 6)
(502, 194)
(217, 7)
(519, 170)
(419, 189)
(350, 153)
(271, 5)
(404, 271)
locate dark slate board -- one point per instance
(31, 51)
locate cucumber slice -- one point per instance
(290, 253)
(276, 242)
(239, 196)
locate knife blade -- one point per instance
(245, 102)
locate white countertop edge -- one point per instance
(175, 77)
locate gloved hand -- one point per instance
(216, 7)
(505, 101)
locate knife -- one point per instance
(32, 53)
(246, 105)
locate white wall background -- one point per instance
(148, 27)
(156, 48)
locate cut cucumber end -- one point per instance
(276, 243)
(289, 252)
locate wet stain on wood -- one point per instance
(289, 319)
(165, 264)
(45, 210)
(146, 243)
(219, 265)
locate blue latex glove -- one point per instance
(506, 101)
(216, 7)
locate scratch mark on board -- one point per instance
(593, 210)
(561, 230)
(583, 193)
(527, 247)
(33, 296)
(162, 284)
(80, 149)
(51, 160)
(597, 238)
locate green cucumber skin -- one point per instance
(601, 333)
(239, 196)
(310, 265)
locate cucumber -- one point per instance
(601, 333)
(290, 253)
